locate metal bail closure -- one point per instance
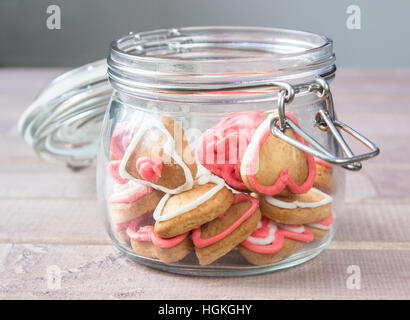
(325, 120)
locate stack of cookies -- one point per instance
(242, 189)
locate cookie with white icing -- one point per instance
(324, 177)
(219, 236)
(177, 214)
(289, 247)
(321, 228)
(131, 200)
(297, 208)
(272, 166)
(145, 242)
(159, 156)
(272, 242)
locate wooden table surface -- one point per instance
(49, 216)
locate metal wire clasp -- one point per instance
(325, 120)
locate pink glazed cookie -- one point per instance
(145, 242)
(221, 148)
(120, 229)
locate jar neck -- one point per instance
(210, 63)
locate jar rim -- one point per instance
(216, 57)
(163, 35)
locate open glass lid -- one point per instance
(63, 123)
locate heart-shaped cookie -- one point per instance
(145, 242)
(219, 236)
(297, 208)
(271, 242)
(221, 147)
(132, 200)
(177, 214)
(159, 156)
(272, 166)
(120, 228)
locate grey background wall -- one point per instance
(88, 26)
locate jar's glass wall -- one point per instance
(133, 201)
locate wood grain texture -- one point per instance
(102, 272)
(50, 215)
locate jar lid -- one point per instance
(63, 123)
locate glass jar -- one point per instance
(220, 151)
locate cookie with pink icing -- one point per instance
(158, 155)
(271, 166)
(297, 208)
(219, 236)
(120, 140)
(177, 214)
(113, 172)
(221, 148)
(131, 200)
(324, 179)
(145, 242)
(120, 229)
(321, 228)
(271, 242)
